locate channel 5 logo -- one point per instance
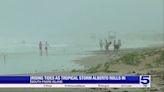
(145, 80)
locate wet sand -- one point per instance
(99, 57)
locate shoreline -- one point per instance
(94, 58)
(99, 56)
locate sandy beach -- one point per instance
(141, 61)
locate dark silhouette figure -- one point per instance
(46, 48)
(106, 42)
(101, 44)
(40, 47)
(117, 45)
(107, 46)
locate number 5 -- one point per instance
(145, 79)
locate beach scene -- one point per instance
(82, 37)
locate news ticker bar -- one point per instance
(75, 81)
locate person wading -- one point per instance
(46, 48)
(107, 46)
(40, 48)
(101, 44)
(117, 46)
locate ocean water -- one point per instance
(20, 55)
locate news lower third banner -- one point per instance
(143, 81)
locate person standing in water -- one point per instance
(117, 46)
(107, 46)
(114, 45)
(119, 43)
(40, 47)
(101, 44)
(46, 48)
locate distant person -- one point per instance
(114, 45)
(40, 47)
(107, 46)
(46, 48)
(106, 41)
(117, 45)
(101, 44)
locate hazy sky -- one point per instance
(48, 17)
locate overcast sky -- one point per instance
(21, 17)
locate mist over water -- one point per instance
(22, 55)
(86, 41)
